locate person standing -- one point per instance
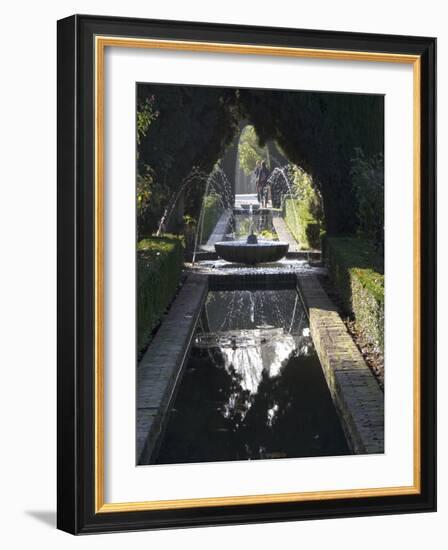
(263, 186)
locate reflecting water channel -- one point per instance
(253, 387)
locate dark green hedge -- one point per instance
(356, 271)
(159, 268)
(302, 224)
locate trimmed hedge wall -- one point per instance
(302, 224)
(356, 271)
(159, 268)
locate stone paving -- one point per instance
(355, 392)
(160, 370)
(284, 234)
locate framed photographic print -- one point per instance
(246, 274)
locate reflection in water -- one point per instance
(253, 387)
(243, 224)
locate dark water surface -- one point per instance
(253, 387)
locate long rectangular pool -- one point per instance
(253, 387)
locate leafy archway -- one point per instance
(320, 132)
(192, 127)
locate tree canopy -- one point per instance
(249, 150)
(192, 128)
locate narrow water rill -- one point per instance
(253, 386)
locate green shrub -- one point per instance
(190, 225)
(152, 196)
(268, 234)
(368, 183)
(303, 209)
(303, 225)
(159, 268)
(367, 289)
(356, 270)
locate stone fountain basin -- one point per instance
(244, 253)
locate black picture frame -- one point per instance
(76, 255)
